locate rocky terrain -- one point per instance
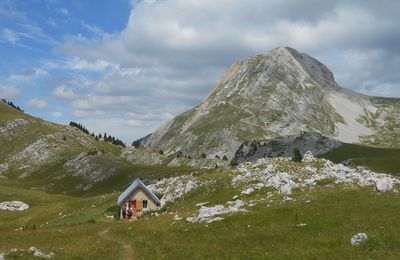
(284, 146)
(280, 93)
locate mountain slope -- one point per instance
(280, 93)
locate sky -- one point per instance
(125, 67)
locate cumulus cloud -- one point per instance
(62, 92)
(37, 103)
(9, 92)
(162, 64)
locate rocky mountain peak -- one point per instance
(280, 93)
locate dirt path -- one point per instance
(128, 250)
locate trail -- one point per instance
(128, 250)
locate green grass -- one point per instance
(73, 228)
(376, 159)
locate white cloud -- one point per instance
(86, 65)
(9, 92)
(88, 113)
(37, 103)
(62, 92)
(56, 114)
(63, 11)
(133, 122)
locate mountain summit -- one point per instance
(280, 93)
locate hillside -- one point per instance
(274, 208)
(280, 93)
(62, 159)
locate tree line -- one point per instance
(11, 104)
(105, 137)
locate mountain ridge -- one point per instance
(280, 93)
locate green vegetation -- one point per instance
(376, 159)
(77, 227)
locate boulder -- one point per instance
(308, 157)
(358, 239)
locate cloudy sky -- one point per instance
(125, 66)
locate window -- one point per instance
(145, 204)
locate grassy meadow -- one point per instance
(77, 227)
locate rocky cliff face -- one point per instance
(280, 93)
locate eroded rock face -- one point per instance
(42, 151)
(142, 156)
(11, 126)
(93, 166)
(284, 146)
(13, 206)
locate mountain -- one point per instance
(280, 93)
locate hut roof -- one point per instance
(134, 186)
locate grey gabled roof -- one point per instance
(134, 186)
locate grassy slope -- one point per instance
(377, 159)
(47, 177)
(263, 232)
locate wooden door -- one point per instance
(139, 205)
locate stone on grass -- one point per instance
(13, 206)
(248, 191)
(358, 239)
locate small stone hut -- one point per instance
(139, 198)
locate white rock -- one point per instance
(32, 249)
(248, 191)
(175, 187)
(287, 198)
(308, 157)
(201, 204)
(2, 256)
(13, 206)
(384, 184)
(208, 213)
(301, 225)
(302, 176)
(358, 238)
(215, 219)
(176, 218)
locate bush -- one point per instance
(296, 155)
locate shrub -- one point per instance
(296, 155)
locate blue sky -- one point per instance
(126, 67)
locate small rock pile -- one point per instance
(13, 206)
